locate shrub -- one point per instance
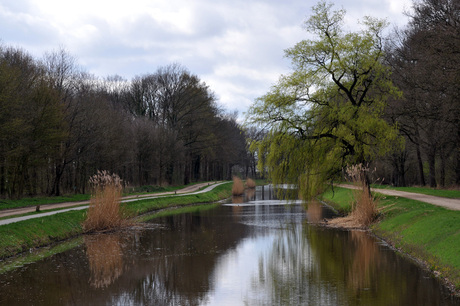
(250, 183)
(364, 208)
(238, 186)
(104, 212)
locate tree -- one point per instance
(31, 122)
(425, 61)
(328, 112)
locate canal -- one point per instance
(254, 251)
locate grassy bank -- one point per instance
(26, 202)
(426, 232)
(445, 193)
(21, 236)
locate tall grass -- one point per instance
(104, 212)
(238, 186)
(364, 209)
(250, 183)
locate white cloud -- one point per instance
(235, 46)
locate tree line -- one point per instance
(386, 102)
(59, 125)
(425, 60)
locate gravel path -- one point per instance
(453, 204)
(193, 189)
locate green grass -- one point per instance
(423, 190)
(36, 213)
(148, 189)
(427, 232)
(24, 235)
(25, 202)
(340, 199)
(144, 206)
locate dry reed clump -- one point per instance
(364, 207)
(250, 183)
(238, 186)
(104, 212)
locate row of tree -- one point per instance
(59, 125)
(358, 98)
(425, 60)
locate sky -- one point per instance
(235, 46)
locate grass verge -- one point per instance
(144, 206)
(445, 193)
(22, 236)
(426, 232)
(26, 202)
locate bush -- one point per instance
(104, 212)
(364, 208)
(250, 183)
(238, 186)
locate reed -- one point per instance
(364, 208)
(104, 212)
(238, 186)
(250, 183)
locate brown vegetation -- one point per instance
(105, 259)
(238, 186)
(364, 208)
(250, 183)
(104, 211)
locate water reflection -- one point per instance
(105, 259)
(315, 212)
(253, 253)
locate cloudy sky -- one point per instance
(235, 46)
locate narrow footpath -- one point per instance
(68, 206)
(452, 204)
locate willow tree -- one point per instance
(327, 113)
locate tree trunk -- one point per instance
(57, 180)
(432, 166)
(419, 159)
(457, 168)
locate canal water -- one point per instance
(254, 251)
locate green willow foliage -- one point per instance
(328, 112)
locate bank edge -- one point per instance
(426, 233)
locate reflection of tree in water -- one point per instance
(237, 199)
(250, 194)
(177, 262)
(105, 259)
(365, 263)
(285, 272)
(314, 211)
(361, 273)
(311, 265)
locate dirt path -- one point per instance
(453, 204)
(25, 210)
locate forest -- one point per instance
(60, 124)
(425, 61)
(383, 98)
